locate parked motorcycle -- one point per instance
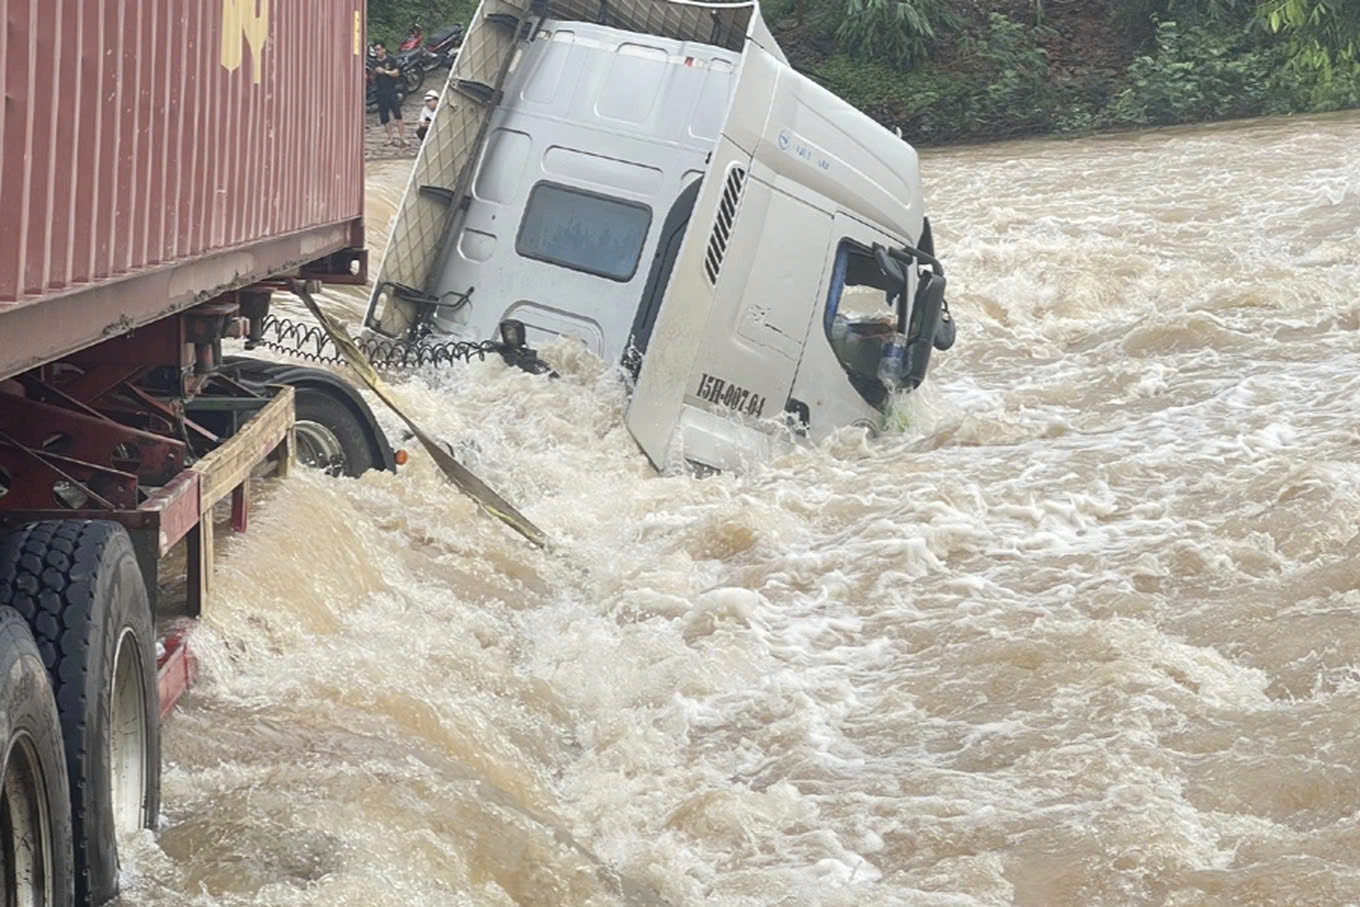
(414, 38)
(411, 64)
(442, 47)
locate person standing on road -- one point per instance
(385, 76)
(427, 114)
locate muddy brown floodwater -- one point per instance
(1086, 632)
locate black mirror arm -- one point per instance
(908, 255)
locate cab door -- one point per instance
(836, 383)
(728, 337)
(721, 362)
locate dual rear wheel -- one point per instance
(36, 860)
(78, 666)
(79, 705)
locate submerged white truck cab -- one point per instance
(653, 178)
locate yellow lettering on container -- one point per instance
(244, 21)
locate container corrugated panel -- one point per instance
(139, 134)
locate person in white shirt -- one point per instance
(427, 114)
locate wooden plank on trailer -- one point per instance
(200, 542)
(178, 507)
(285, 453)
(231, 464)
(226, 469)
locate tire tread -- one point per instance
(28, 705)
(47, 574)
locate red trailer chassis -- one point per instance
(184, 509)
(83, 439)
(167, 167)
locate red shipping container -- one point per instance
(160, 152)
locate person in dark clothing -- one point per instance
(385, 76)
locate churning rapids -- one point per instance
(1086, 632)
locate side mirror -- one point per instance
(944, 331)
(891, 268)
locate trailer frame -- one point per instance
(180, 510)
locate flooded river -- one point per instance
(1087, 632)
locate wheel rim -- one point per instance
(25, 828)
(127, 740)
(319, 447)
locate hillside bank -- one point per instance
(948, 71)
(1033, 67)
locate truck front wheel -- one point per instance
(330, 435)
(78, 585)
(336, 431)
(35, 802)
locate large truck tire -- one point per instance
(35, 807)
(330, 435)
(336, 429)
(77, 584)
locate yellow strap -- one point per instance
(457, 473)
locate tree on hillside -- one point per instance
(894, 31)
(1324, 34)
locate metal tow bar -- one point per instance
(487, 499)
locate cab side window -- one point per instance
(858, 317)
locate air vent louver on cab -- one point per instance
(722, 227)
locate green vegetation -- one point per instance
(952, 73)
(1202, 73)
(1324, 34)
(390, 20)
(956, 70)
(894, 31)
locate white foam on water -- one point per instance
(1082, 631)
